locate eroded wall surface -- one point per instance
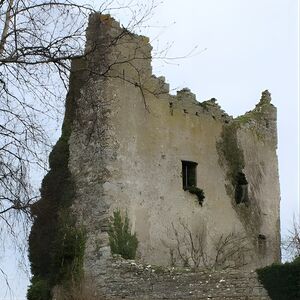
(129, 280)
(128, 141)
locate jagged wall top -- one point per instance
(105, 34)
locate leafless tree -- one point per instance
(227, 251)
(230, 251)
(38, 40)
(190, 246)
(291, 244)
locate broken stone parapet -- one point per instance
(128, 279)
(266, 108)
(117, 53)
(186, 95)
(157, 85)
(262, 119)
(212, 107)
(265, 97)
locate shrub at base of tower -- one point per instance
(282, 281)
(68, 257)
(121, 240)
(39, 289)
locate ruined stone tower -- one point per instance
(184, 171)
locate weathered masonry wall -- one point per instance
(129, 138)
(129, 280)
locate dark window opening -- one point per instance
(262, 243)
(267, 123)
(171, 108)
(189, 178)
(241, 188)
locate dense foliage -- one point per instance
(229, 149)
(282, 281)
(120, 238)
(56, 245)
(39, 290)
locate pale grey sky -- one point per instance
(251, 45)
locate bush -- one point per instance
(39, 289)
(121, 241)
(282, 281)
(68, 255)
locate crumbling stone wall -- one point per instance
(127, 145)
(130, 280)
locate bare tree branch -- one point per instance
(291, 243)
(227, 250)
(38, 41)
(8, 17)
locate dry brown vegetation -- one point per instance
(86, 290)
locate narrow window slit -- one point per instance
(241, 188)
(262, 243)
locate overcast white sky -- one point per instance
(251, 45)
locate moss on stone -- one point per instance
(231, 158)
(229, 151)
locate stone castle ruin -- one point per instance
(200, 188)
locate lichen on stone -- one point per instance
(231, 158)
(265, 97)
(229, 151)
